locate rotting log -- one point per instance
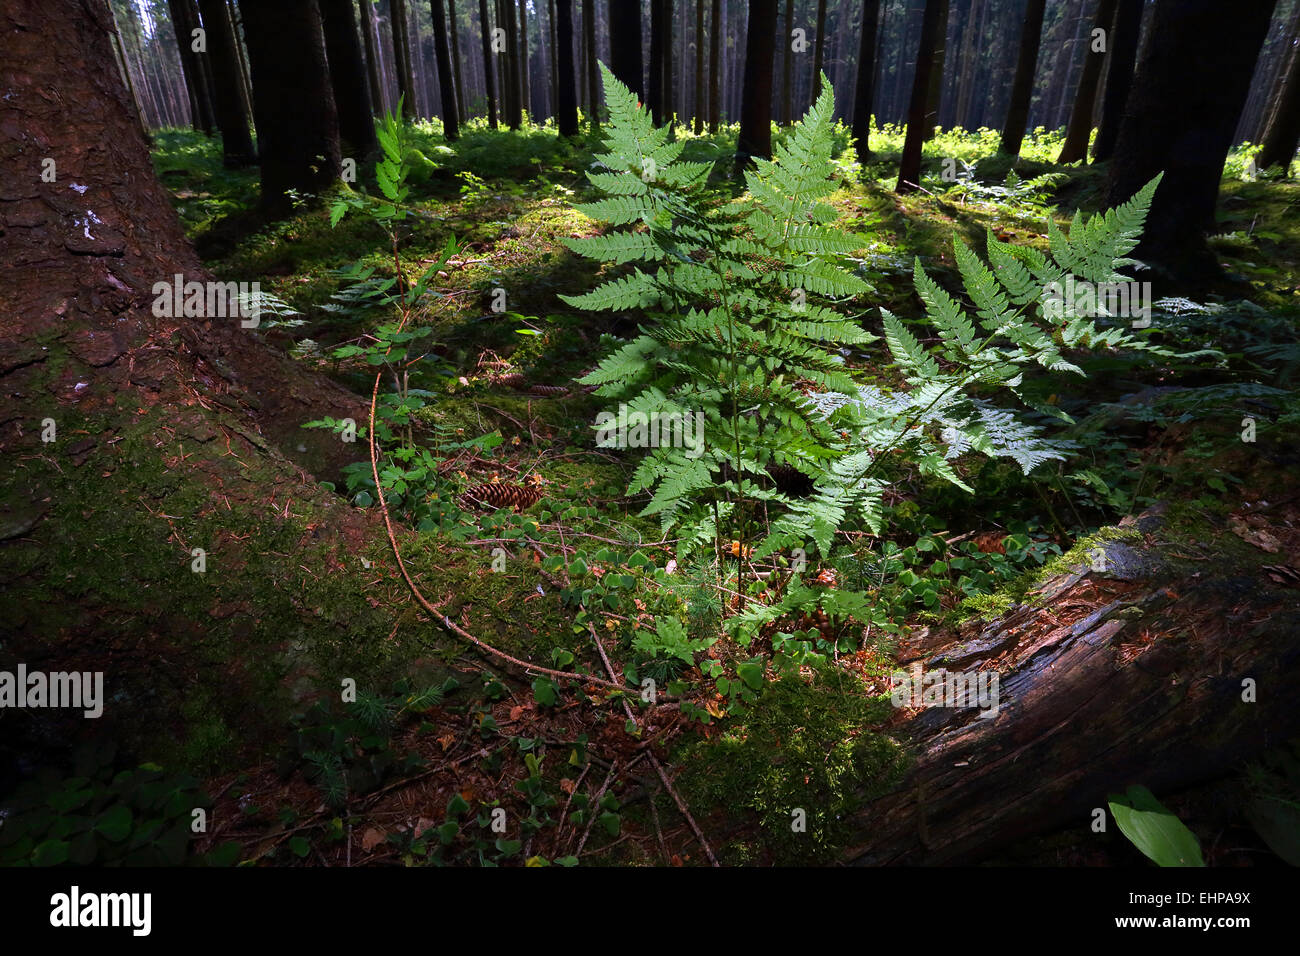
(1131, 675)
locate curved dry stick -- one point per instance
(424, 602)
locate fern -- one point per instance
(745, 303)
(741, 306)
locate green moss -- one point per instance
(803, 746)
(986, 607)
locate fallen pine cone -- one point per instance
(512, 379)
(549, 390)
(501, 496)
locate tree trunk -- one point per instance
(593, 74)
(199, 400)
(185, 20)
(698, 109)
(513, 82)
(1119, 80)
(485, 28)
(347, 76)
(1022, 87)
(909, 171)
(228, 101)
(625, 45)
(521, 59)
(756, 95)
(446, 85)
(1141, 654)
(1189, 143)
(245, 75)
(819, 50)
(935, 90)
(399, 26)
(787, 65)
(566, 94)
(654, 98)
(715, 37)
(298, 126)
(866, 75)
(1282, 137)
(378, 102)
(1077, 133)
(458, 74)
(666, 93)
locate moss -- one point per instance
(986, 607)
(804, 746)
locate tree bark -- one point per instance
(378, 101)
(1079, 129)
(1190, 143)
(458, 74)
(654, 98)
(866, 76)
(399, 26)
(347, 76)
(525, 85)
(566, 94)
(666, 94)
(228, 101)
(485, 29)
(819, 49)
(756, 94)
(909, 171)
(625, 45)
(1282, 137)
(698, 109)
(298, 125)
(510, 56)
(446, 85)
(1142, 653)
(935, 91)
(787, 65)
(1119, 80)
(185, 20)
(593, 74)
(1022, 87)
(715, 38)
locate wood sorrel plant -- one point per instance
(741, 302)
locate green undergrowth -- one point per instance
(796, 764)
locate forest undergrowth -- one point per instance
(726, 623)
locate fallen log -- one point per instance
(1141, 673)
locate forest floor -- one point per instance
(440, 737)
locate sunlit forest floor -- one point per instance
(502, 405)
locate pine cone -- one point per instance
(501, 496)
(511, 379)
(549, 391)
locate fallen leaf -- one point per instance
(1254, 536)
(371, 839)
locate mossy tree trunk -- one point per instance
(1133, 675)
(136, 437)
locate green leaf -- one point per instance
(115, 823)
(751, 672)
(50, 853)
(1154, 830)
(544, 692)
